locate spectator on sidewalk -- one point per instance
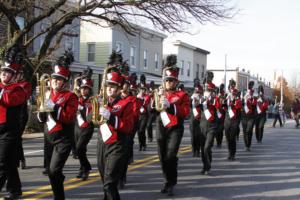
(276, 113)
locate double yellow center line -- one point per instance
(46, 191)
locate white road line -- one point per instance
(32, 152)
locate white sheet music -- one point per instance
(165, 118)
(105, 132)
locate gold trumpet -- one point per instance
(43, 87)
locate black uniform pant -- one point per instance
(220, 130)
(195, 135)
(259, 126)
(142, 130)
(127, 154)
(248, 124)
(168, 141)
(151, 120)
(57, 153)
(231, 131)
(9, 161)
(82, 138)
(277, 117)
(110, 159)
(208, 131)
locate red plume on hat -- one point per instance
(61, 69)
(170, 68)
(13, 59)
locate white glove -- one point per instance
(49, 103)
(165, 103)
(206, 94)
(104, 112)
(80, 107)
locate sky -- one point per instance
(263, 37)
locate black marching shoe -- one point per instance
(170, 191)
(85, 175)
(13, 196)
(164, 189)
(202, 171)
(46, 172)
(79, 175)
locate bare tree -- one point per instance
(165, 15)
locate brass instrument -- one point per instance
(76, 86)
(97, 119)
(43, 86)
(159, 93)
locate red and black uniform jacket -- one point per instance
(64, 114)
(12, 97)
(209, 111)
(27, 87)
(234, 108)
(178, 110)
(262, 106)
(196, 110)
(120, 122)
(145, 99)
(84, 113)
(249, 106)
(220, 106)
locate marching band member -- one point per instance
(248, 115)
(126, 94)
(151, 113)
(112, 143)
(231, 124)
(195, 118)
(59, 124)
(13, 96)
(221, 100)
(84, 127)
(145, 98)
(170, 127)
(261, 109)
(208, 123)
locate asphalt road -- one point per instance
(271, 171)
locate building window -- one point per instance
(69, 43)
(156, 61)
(145, 58)
(91, 52)
(182, 67)
(202, 71)
(188, 72)
(119, 46)
(132, 56)
(197, 70)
